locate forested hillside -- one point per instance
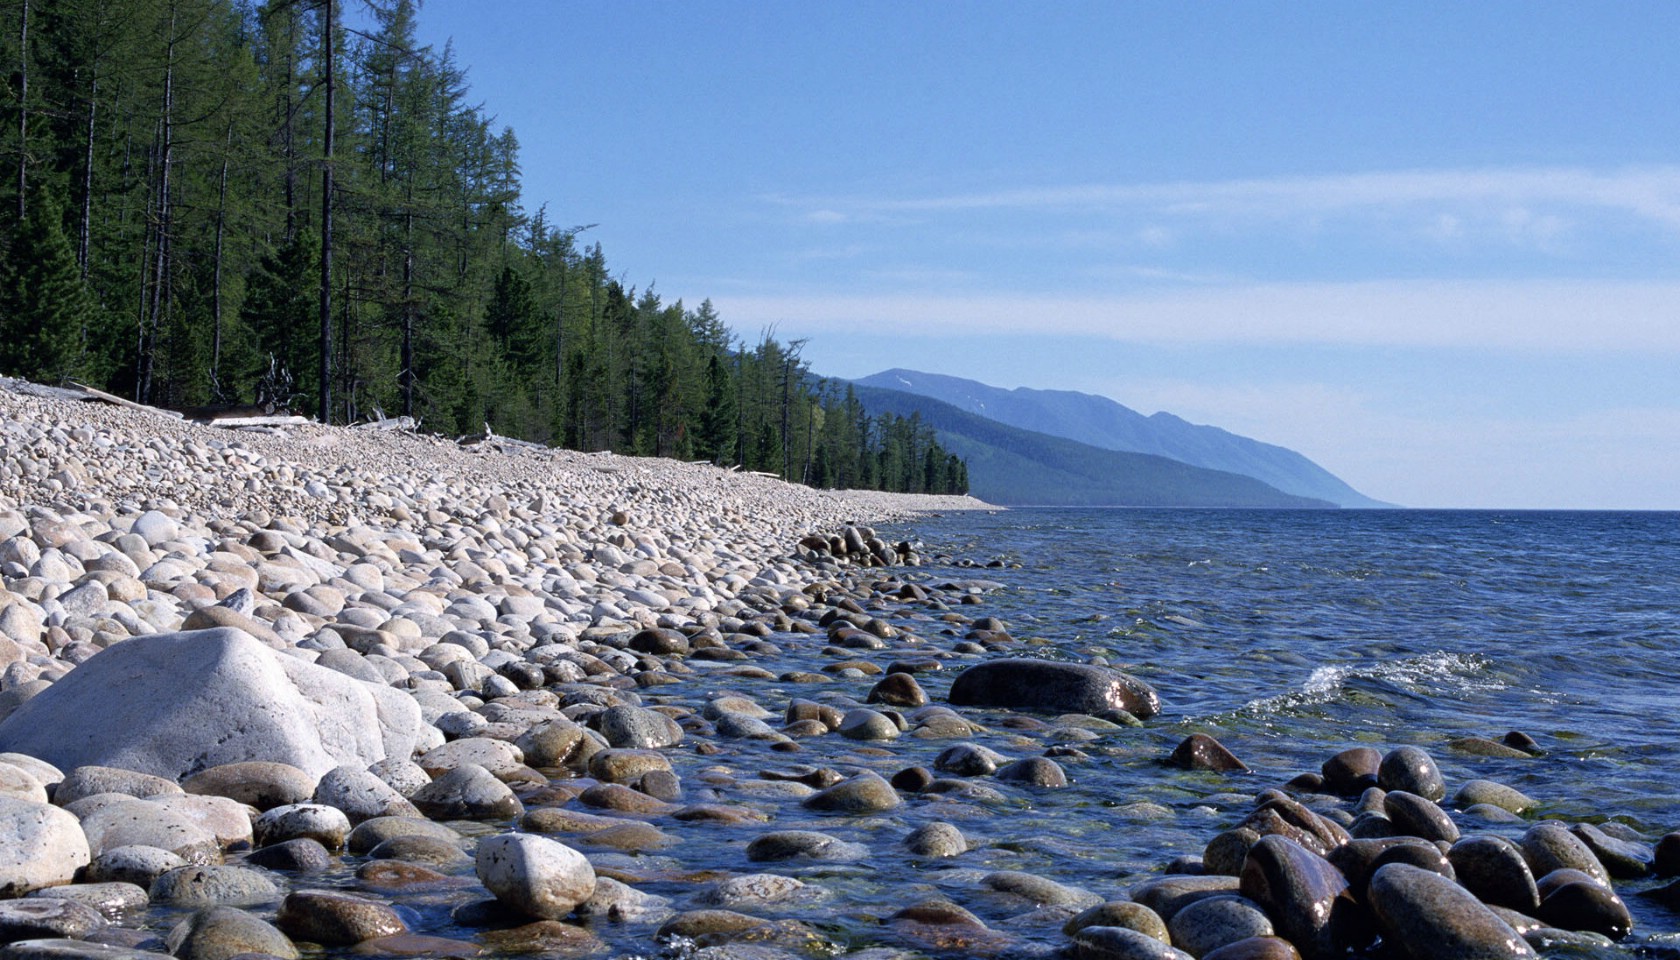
(212, 202)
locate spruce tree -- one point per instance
(45, 309)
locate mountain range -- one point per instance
(1063, 447)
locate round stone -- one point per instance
(803, 845)
(221, 933)
(535, 875)
(865, 724)
(326, 825)
(204, 886)
(936, 840)
(1434, 918)
(1494, 870)
(336, 919)
(865, 793)
(1412, 770)
(1207, 925)
(40, 846)
(1034, 771)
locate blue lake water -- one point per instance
(1293, 635)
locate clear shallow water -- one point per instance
(1292, 635)
(1289, 636)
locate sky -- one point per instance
(1433, 246)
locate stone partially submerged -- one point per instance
(1054, 687)
(178, 703)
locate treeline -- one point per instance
(231, 203)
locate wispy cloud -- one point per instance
(1650, 193)
(1550, 211)
(1540, 315)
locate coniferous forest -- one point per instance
(214, 202)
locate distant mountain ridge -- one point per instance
(1014, 467)
(1103, 423)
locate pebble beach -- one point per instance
(303, 690)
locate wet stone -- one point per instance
(371, 833)
(1256, 948)
(547, 938)
(1037, 890)
(1412, 770)
(1550, 846)
(1049, 686)
(1667, 855)
(1209, 924)
(803, 845)
(1434, 918)
(336, 919)
(1414, 816)
(1586, 905)
(898, 690)
(1034, 771)
(395, 876)
(111, 899)
(203, 886)
(1622, 859)
(35, 918)
(968, 760)
(1474, 792)
(1202, 752)
(1168, 895)
(467, 792)
(1121, 943)
(221, 933)
(139, 865)
(936, 840)
(1352, 771)
(864, 724)
(865, 793)
(1120, 913)
(420, 848)
(1306, 897)
(1493, 869)
(754, 889)
(302, 855)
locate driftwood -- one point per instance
(274, 421)
(93, 394)
(390, 423)
(480, 440)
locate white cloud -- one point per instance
(1650, 193)
(1540, 315)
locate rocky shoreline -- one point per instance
(378, 694)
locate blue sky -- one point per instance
(1435, 247)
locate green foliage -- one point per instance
(171, 153)
(45, 310)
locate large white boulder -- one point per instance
(177, 703)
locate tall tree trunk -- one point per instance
(23, 116)
(84, 239)
(216, 289)
(325, 407)
(288, 140)
(160, 280)
(408, 307)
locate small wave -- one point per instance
(1427, 675)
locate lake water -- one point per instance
(1293, 635)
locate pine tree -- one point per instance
(45, 310)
